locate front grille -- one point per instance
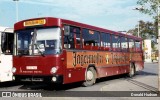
(33, 79)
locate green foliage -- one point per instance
(153, 46)
(146, 30)
(149, 6)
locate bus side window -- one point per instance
(78, 40)
(131, 45)
(91, 39)
(72, 41)
(105, 41)
(7, 43)
(124, 44)
(69, 42)
(116, 43)
(137, 46)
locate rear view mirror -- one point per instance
(66, 30)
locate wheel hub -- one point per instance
(89, 75)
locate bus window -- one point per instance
(23, 42)
(7, 43)
(137, 45)
(78, 41)
(77, 37)
(131, 45)
(105, 41)
(73, 40)
(116, 43)
(90, 39)
(48, 41)
(124, 44)
(39, 41)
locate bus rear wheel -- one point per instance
(131, 70)
(90, 78)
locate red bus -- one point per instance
(63, 51)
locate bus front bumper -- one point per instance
(28, 78)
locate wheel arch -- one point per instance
(133, 64)
(132, 67)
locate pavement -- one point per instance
(147, 83)
(145, 80)
(138, 83)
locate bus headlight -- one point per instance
(13, 70)
(54, 79)
(54, 70)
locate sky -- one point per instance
(116, 15)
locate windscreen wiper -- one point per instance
(37, 47)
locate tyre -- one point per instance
(131, 70)
(90, 78)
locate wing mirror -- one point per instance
(66, 30)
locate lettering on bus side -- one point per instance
(120, 58)
(83, 59)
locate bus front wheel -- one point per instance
(90, 78)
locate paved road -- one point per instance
(145, 80)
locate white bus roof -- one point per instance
(9, 30)
(2, 28)
(6, 29)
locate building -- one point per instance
(147, 50)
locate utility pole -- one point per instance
(16, 9)
(139, 9)
(158, 48)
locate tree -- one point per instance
(149, 6)
(146, 30)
